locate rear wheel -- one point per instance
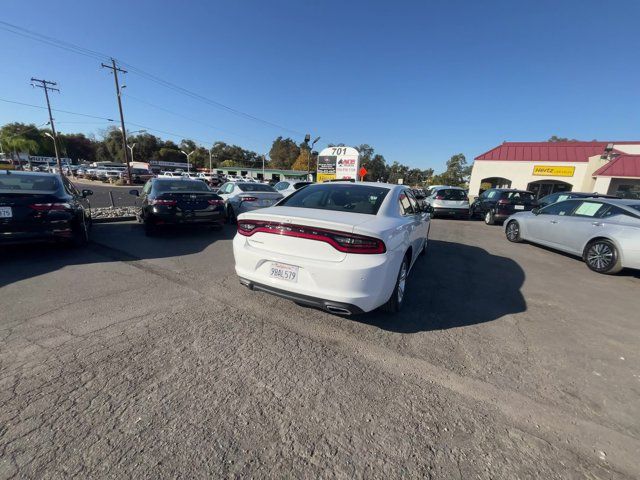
(489, 219)
(602, 256)
(80, 234)
(395, 303)
(150, 229)
(231, 215)
(513, 231)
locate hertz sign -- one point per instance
(553, 171)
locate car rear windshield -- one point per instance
(343, 198)
(518, 196)
(41, 183)
(255, 187)
(181, 186)
(452, 194)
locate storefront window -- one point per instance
(630, 190)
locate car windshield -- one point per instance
(452, 194)
(17, 182)
(345, 198)
(255, 187)
(181, 186)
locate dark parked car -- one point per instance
(177, 201)
(496, 204)
(560, 196)
(38, 206)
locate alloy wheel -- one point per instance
(600, 256)
(513, 231)
(402, 281)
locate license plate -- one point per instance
(6, 212)
(284, 272)
(518, 207)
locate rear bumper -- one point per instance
(179, 217)
(328, 305)
(19, 236)
(361, 282)
(451, 212)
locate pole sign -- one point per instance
(338, 163)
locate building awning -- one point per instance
(547, 151)
(621, 166)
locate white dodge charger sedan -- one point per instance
(344, 247)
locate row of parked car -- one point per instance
(332, 245)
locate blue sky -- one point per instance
(417, 80)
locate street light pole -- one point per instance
(188, 155)
(131, 147)
(46, 85)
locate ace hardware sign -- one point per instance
(338, 163)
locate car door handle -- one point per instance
(553, 221)
(596, 224)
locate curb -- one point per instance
(114, 219)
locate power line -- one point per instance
(71, 47)
(188, 118)
(55, 109)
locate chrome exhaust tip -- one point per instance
(337, 310)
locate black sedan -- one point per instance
(177, 201)
(560, 196)
(38, 206)
(496, 204)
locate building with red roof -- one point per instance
(546, 167)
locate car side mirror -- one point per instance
(535, 211)
(87, 193)
(135, 193)
(427, 209)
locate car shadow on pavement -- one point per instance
(455, 285)
(118, 241)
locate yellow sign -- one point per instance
(553, 171)
(323, 177)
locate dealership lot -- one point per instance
(146, 356)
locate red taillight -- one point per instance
(249, 199)
(216, 202)
(341, 241)
(164, 202)
(46, 207)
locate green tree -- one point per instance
(283, 153)
(456, 174)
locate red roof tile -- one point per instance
(546, 151)
(622, 166)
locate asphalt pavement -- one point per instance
(144, 357)
(101, 198)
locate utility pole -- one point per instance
(113, 67)
(46, 85)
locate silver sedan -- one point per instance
(604, 232)
(241, 197)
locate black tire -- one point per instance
(396, 302)
(473, 215)
(489, 219)
(601, 256)
(231, 216)
(513, 232)
(150, 229)
(216, 227)
(80, 234)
